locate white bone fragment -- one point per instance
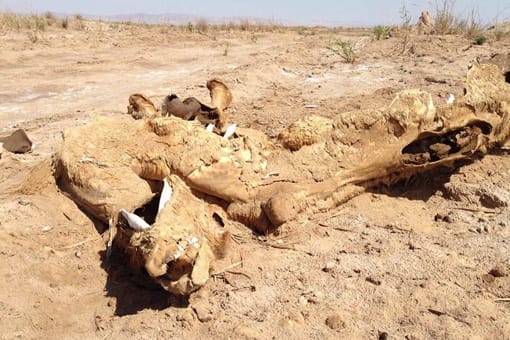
(271, 174)
(451, 99)
(135, 222)
(166, 194)
(230, 131)
(194, 242)
(311, 106)
(210, 127)
(180, 251)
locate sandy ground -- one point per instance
(408, 262)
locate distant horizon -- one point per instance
(362, 13)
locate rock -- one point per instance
(24, 201)
(245, 332)
(17, 142)
(383, 336)
(303, 301)
(499, 271)
(202, 311)
(185, 316)
(494, 197)
(316, 298)
(335, 322)
(488, 278)
(328, 266)
(442, 217)
(373, 280)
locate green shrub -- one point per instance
(381, 32)
(480, 39)
(344, 49)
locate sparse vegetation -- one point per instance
(202, 25)
(480, 39)
(381, 32)
(344, 49)
(33, 37)
(65, 23)
(444, 18)
(50, 18)
(446, 22)
(405, 16)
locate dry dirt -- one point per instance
(425, 259)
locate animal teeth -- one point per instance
(230, 131)
(134, 221)
(166, 194)
(210, 127)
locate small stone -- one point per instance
(335, 322)
(316, 298)
(373, 280)
(184, 316)
(383, 336)
(303, 301)
(46, 228)
(24, 201)
(498, 271)
(488, 278)
(440, 217)
(328, 266)
(78, 254)
(203, 313)
(495, 198)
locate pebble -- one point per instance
(316, 297)
(328, 266)
(184, 316)
(383, 336)
(24, 201)
(46, 228)
(335, 321)
(373, 281)
(77, 254)
(202, 312)
(498, 271)
(303, 301)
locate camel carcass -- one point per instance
(115, 165)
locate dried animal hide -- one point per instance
(16, 142)
(141, 107)
(191, 108)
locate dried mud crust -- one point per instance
(412, 261)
